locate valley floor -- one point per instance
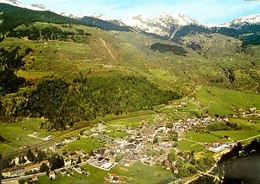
(138, 148)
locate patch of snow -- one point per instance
(36, 7)
(240, 21)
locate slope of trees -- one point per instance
(177, 50)
(10, 62)
(47, 32)
(14, 16)
(63, 103)
(253, 39)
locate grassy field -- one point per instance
(246, 124)
(88, 145)
(130, 121)
(116, 133)
(96, 176)
(236, 135)
(224, 101)
(189, 146)
(21, 129)
(202, 137)
(143, 174)
(137, 174)
(11, 131)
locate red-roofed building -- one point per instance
(35, 167)
(52, 175)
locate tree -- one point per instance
(22, 160)
(119, 158)
(155, 140)
(44, 168)
(56, 162)
(30, 155)
(169, 125)
(183, 173)
(193, 161)
(171, 156)
(41, 155)
(192, 170)
(79, 160)
(2, 140)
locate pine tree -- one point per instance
(79, 160)
(30, 155)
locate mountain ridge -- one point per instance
(179, 18)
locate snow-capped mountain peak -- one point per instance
(37, 7)
(163, 25)
(250, 19)
(179, 19)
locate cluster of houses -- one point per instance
(252, 111)
(184, 126)
(170, 166)
(19, 170)
(133, 148)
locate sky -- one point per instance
(203, 11)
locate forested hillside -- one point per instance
(66, 71)
(64, 104)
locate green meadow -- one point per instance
(86, 144)
(11, 132)
(142, 174)
(225, 101)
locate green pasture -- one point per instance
(130, 121)
(143, 174)
(202, 137)
(246, 124)
(116, 133)
(189, 146)
(86, 144)
(236, 135)
(11, 131)
(96, 176)
(225, 101)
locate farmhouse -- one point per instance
(114, 178)
(67, 162)
(33, 168)
(63, 172)
(77, 169)
(175, 169)
(52, 175)
(166, 164)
